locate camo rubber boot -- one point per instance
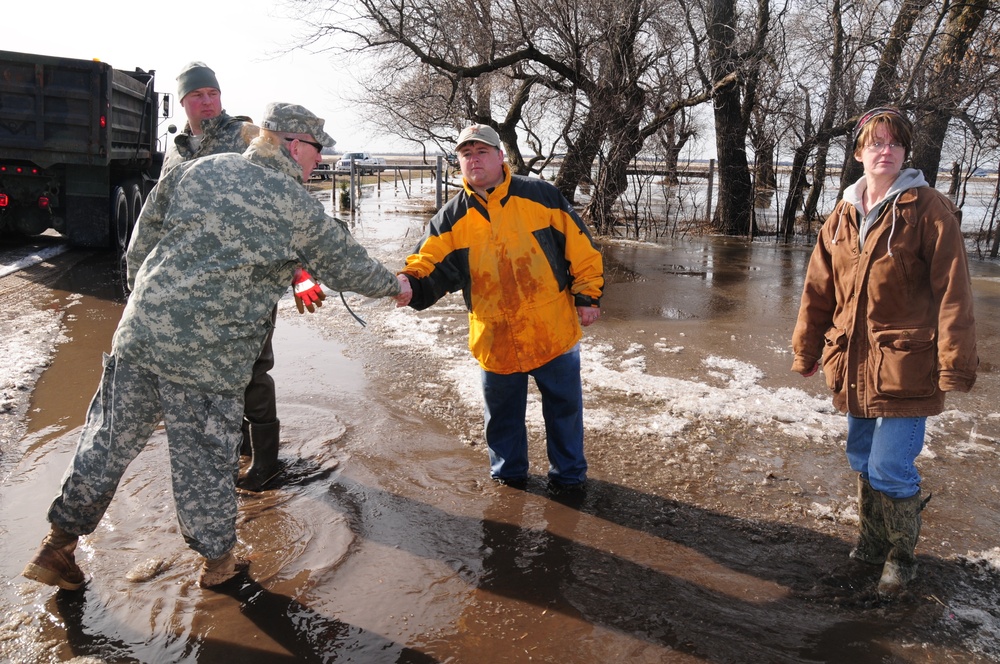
(902, 524)
(873, 541)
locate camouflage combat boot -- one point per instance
(54, 563)
(264, 465)
(873, 542)
(902, 524)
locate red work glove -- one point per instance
(308, 294)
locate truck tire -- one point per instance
(120, 217)
(135, 203)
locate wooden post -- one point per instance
(355, 187)
(711, 179)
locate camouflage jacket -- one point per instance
(214, 249)
(223, 133)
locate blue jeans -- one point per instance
(884, 450)
(506, 397)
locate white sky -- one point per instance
(241, 41)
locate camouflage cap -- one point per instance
(481, 133)
(295, 119)
(195, 76)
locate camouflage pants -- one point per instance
(203, 438)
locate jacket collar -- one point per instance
(264, 153)
(207, 127)
(499, 191)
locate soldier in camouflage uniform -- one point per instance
(203, 288)
(210, 130)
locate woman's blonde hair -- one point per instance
(894, 122)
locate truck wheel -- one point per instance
(121, 219)
(121, 222)
(135, 202)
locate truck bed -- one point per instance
(51, 111)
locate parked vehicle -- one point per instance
(365, 164)
(323, 171)
(78, 149)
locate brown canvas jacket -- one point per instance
(891, 323)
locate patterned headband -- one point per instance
(867, 117)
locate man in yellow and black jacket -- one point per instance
(531, 276)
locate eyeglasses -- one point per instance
(878, 146)
(318, 146)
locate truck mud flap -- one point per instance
(87, 223)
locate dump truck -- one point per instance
(78, 147)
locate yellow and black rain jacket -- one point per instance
(524, 261)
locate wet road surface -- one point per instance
(386, 542)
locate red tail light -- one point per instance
(20, 170)
(4, 201)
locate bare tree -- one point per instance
(818, 46)
(737, 61)
(604, 80)
(943, 99)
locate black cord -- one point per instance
(356, 317)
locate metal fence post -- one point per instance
(438, 183)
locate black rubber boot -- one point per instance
(264, 466)
(259, 401)
(873, 542)
(245, 448)
(902, 525)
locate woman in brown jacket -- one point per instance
(887, 310)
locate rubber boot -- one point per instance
(264, 466)
(216, 571)
(873, 542)
(902, 525)
(54, 563)
(245, 448)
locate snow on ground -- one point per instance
(657, 407)
(22, 356)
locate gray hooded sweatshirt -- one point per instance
(908, 178)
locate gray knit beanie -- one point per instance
(194, 76)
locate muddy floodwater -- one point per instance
(716, 525)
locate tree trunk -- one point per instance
(579, 161)
(734, 210)
(626, 141)
(810, 209)
(885, 85)
(797, 182)
(963, 21)
(672, 142)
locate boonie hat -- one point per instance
(481, 133)
(295, 119)
(194, 76)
